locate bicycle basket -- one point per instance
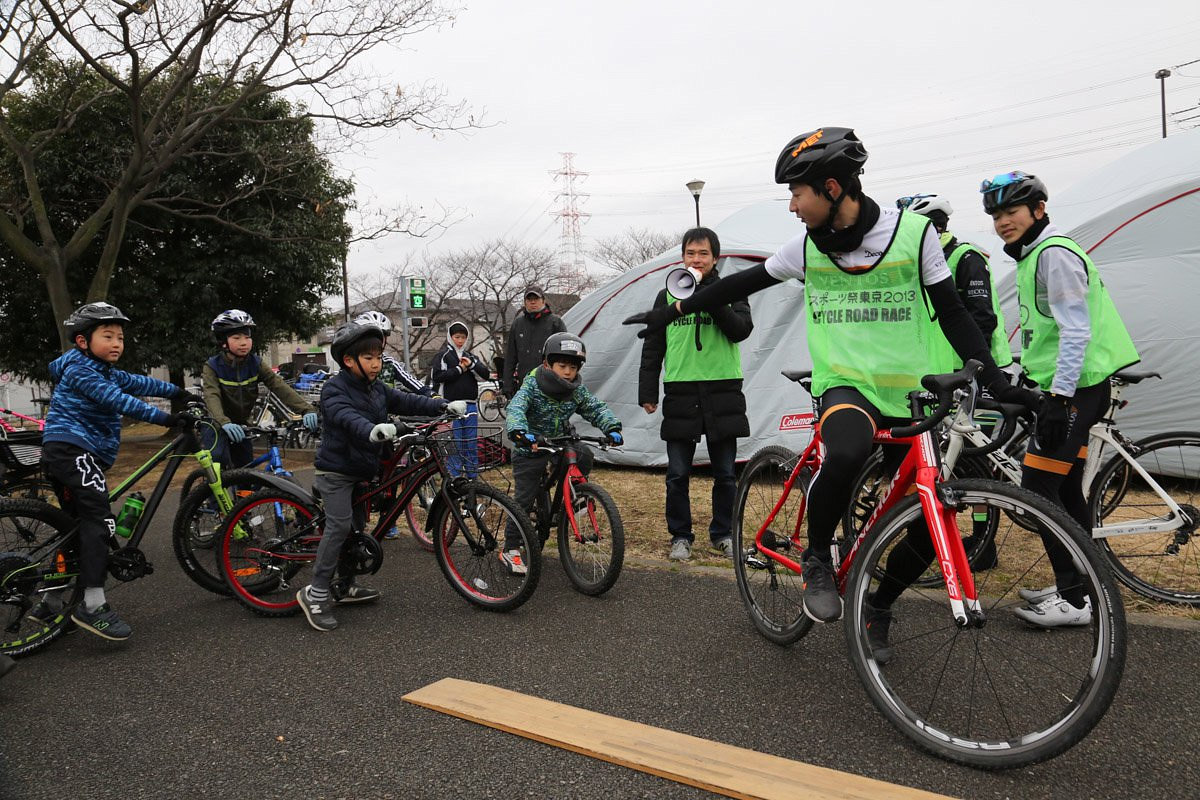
(21, 449)
(461, 450)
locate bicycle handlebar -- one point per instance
(1011, 412)
(943, 386)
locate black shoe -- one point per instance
(984, 552)
(103, 622)
(821, 599)
(318, 613)
(878, 623)
(354, 593)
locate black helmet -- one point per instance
(349, 333)
(1012, 189)
(89, 315)
(824, 153)
(229, 322)
(566, 345)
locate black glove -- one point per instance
(522, 439)
(1054, 421)
(175, 420)
(189, 397)
(1004, 392)
(655, 319)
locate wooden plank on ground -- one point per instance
(716, 767)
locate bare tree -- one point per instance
(632, 248)
(183, 68)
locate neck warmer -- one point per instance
(534, 315)
(827, 240)
(553, 385)
(1027, 238)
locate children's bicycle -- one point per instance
(591, 535)
(967, 680)
(39, 560)
(269, 541)
(492, 405)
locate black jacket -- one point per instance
(716, 409)
(350, 408)
(451, 381)
(523, 350)
(974, 284)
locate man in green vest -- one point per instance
(877, 295)
(1072, 340)
(702, 396)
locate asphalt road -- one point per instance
(208, 700)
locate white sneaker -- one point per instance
(1054, 612)
(1035, 596)
(512, 559)
(680, 550)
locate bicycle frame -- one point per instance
(562, 481)
(920, 470)
(41, 423)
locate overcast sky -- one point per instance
(650, 94)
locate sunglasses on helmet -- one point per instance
(1000, 181)
(906, 201)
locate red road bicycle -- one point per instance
(968, 681)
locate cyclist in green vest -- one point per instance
(701, 367)
(1072, 340)
(871, 275)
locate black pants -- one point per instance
(79, 482)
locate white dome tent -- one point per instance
(1137, 217)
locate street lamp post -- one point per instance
(1162, 76)
(695, 187)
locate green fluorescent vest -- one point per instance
(947, 359)
(871, 330)
(1110, 347)
(697, 350)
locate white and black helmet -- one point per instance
(925, 204)
(376, 318)
(564, 345)
(89, 315)
(230, 322)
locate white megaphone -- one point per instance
(682, 282)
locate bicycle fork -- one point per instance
(939, 508)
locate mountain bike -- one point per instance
(1143, 496)
(39, 560)
(492, 405)
(591, 535)
(270, 539)
(969, 682)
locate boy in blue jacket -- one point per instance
(549, 396)
(80, 441)
(354, 407)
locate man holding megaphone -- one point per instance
(698, 356)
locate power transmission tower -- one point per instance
(571, 268)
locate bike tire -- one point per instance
(593, 558)
(196, 529)
(267, 547)
(469, 555)
(489, 406)
(1163, 566)
(416, 513)
(772, 594)
(1000, 695)
(27, 526)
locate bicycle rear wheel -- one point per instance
(1001, 694)
(772, 593)
(592, 552)
(1162, 565)
(267, 547)
(470, 553)
(490, 406)
(38, 567)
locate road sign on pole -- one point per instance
(416, 294)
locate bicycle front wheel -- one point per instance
(197, 526)
(592, 551)
(1159, 556)
(38, 571)
(772, 593)
(266, 552)
(488, 556)
(416, 513)
(490, 406)
(998, 694)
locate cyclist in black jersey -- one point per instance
(877, 291)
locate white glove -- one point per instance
(457, 407)
(383, 432)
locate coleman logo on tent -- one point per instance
(796, 422)
(809, 142)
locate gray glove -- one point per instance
(383, 432)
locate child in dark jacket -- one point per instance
(456, 373)
(80, 441)
(354, 406)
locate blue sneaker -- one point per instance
(103, 622)
(393, 533)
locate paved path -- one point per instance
(210, 701)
